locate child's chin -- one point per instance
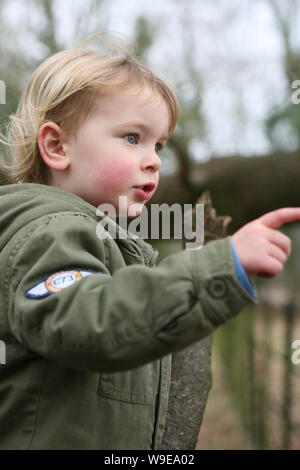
(131, 215)
(134, 210)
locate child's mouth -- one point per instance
(145, 191)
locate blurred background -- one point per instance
(234, 65)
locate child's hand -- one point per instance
(261, 249)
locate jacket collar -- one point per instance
(34, 200)
(128, 241)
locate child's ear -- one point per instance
(52, 148)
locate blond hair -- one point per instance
(63, 90)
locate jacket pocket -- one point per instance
(134, 386)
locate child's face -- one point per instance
(116, 150)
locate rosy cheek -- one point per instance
(115, 177)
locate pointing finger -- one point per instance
(275, 219)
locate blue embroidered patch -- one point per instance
(55, 282)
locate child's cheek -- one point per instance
(115, 177)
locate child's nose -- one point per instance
(151, 162)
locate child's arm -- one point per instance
(113, 320)
(116, 320)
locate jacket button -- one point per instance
(217, 288)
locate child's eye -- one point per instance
(158, 147)
(132, 138)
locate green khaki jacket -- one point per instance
(89, 323)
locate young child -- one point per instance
(89, 322)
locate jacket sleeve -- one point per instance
(109, 323)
